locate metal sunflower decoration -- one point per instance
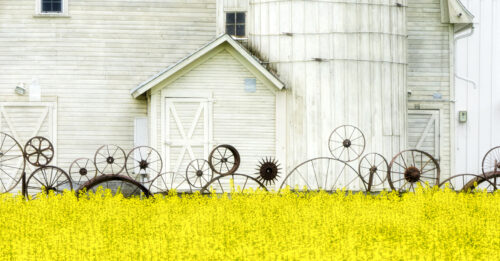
(268, 170)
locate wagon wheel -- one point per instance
(198, 173)
(489, 181)
(268, 170)
(12, 162)
(46, 179)
(222, 184)
(161, 184)
(116, 184)
(372, 169)
(411, 167)
(82, 170)
(491, 160)
(463, 182)
(110, 159)
(39, 151)
(323, 174)
(224, 159)
(346, 143)
(143, 162)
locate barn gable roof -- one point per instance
(186, 61)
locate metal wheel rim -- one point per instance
(7, 165)
(100, 159)
(76, 167)
(487, 164)
(104, 179)
(41, 177)
(380, 175)
(217, 163)
(216, 180)
(339, 150)
(38, 152)
(192, 173)
(463, 185)
(134, 165)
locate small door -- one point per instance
(187, 135)
(423, 131)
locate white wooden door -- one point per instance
(423, 131)
(187, 135)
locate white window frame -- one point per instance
(63, 13)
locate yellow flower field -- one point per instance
(427, 225)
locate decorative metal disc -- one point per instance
(224, 159)
(346, 143)
(39, 151)
(323, 174)
(82, 170)
(268, 170)
(46, 179)
(372, 169)
(462, 182)
(411, 167)
(491, 161)
(490, 182)
(116, 184)
(241, 182)
(12, 163)
(110, 159)
(198, 173)
(143, 163)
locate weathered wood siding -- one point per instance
(88, 62)
(246, 120)
(429, 63)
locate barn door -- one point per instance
(187, 135)
(24, 120)
(423, 131)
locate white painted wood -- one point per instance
(141, 131)
(478, 59)
(423, 131)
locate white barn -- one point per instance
(167, 74)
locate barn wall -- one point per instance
(89, 61)
(244, 120)
(478, 59)
(429, 63)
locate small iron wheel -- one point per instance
(346, 143)
(411, 167)
(82, 170)
(372, 169)
(109, 159)
(46, 179)
(39, 151)
(12, 163)
(224, 160)
(491, 161)
(268, 170)
(198, 173)
(143, 162)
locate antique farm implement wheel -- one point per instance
(411, 167)
(12, 163)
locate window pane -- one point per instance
(56, 7)
(51, 5)
(240, 17)
(230, 18)
(46, 7)
(230, 29)
(240, 30)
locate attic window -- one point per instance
(235, 24)
(51, 6)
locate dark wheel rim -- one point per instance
(82, 170)
(116, 184)
(46, 179)
(198, 173)
(222, 184)
(491, 161)
(110, 159)
(12, 163)
(372, 169)
(346, 143)
(224, 159)
(143, 162)
(39, 151)
(489, 181)
(412, 167)
(463, 182)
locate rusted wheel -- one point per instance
(46, 179)
(110, 159)
(198, 173)
(82, 170)
(161, 184)
(224, 159)
(372, 170)
(464, 182)
(323, 174)
(116, 184)
(346, 143)
(143, 162)
(12, 163)
(491, 161)
(411, 167)
(489, 181)
(268, 170)
(222, 184)
(39, 151)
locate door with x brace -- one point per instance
(187, 134)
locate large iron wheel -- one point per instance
(224, 159)
(46, 179)
(12, 163)
(82, 170)
(143, 162)
(116, 184)
(198, 173)
(491, 161)
(411, 167)
(39, 151)
(346, 143)
(462, 182)
(323, 174)
(241, 182)
(373, 170)
(110, 159)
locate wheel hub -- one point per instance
(110, 160)
(412, 174)
(199, 173)
(347, 143)
(83, 171)
(143, 164)
(373, 169)
(223, 160)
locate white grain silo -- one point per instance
(343, 62)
